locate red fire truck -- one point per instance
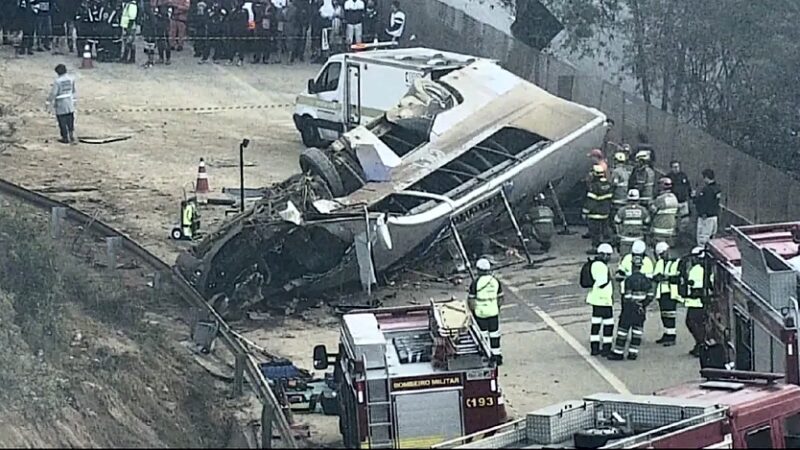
(411, 377)
(753, 314)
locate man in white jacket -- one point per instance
(62, 99)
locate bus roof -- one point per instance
(418, 58)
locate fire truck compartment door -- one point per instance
(427, 418)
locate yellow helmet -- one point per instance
(597, 169)
(620, 157)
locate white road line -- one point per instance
(510, 305)
(610, 378)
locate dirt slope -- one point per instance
(82, 364)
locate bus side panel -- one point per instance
(481, 406)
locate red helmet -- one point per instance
(596, 153)
(665, 183)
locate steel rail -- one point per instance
(256, 379)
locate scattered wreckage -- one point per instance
(452, 157)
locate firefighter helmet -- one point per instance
(665, 183)
(598, 170)
(698, 251)
(643, 155)
(596, 153)
(661, 247)
(633, 194)
(605, 249)
(620, 157)
(540, 197)
(638, 247)
(483, 265)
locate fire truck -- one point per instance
(410, 377)
(752, 313)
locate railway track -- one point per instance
(246, 366)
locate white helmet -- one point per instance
(604, 249)
(661, 247)
(633, 194)
(638, 247)
(483, 264)
(698, 251)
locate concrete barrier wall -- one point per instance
(754, 192)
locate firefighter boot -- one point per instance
(614, 356)
(695, 351)
(663, 339)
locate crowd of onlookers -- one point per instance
(258, 31)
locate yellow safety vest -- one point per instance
(188, 212)
(486, 291)
(602, 293)
(669, 269)
(697, 276)
(626, 268)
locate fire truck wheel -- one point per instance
(316, 162)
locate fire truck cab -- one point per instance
(411, 377)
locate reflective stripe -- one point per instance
(667, 211)
(597, 216)
(596, 320)
(664, 230)
(594, 338)
(633, 222)
(64, 96)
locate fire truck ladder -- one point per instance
(379, 403)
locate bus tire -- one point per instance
(316, 162)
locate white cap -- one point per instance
(605, 249)
(638, 247)
(697, 251)
(661, 247)
(633, 194)
(483, 264)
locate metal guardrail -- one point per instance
(245, 362)
(505, 428)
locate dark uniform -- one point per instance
(597, 209)
(26, 21)
(541, 226)
(89, 23)
(637, 293)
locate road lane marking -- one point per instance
(510, 305)
(593, 361)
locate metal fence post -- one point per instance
(57, 214)
(238, 375)
(266, 426)
(112, 245)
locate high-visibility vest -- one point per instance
(188, 215)
(487, 289)
(669, 284)
(602, 293)
(696, 288)
(625, 268)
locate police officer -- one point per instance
(625, 267)
(666, 275)
(631, 221)
(620, 177)
(62, 99)
(27, 24)
(601, 298)
(665, 213)
(541, 226)
(597, 207)
(637, 293)
(643, 178)
(485, 298)
(696, 288)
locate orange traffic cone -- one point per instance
(201, 187)
(86, 62)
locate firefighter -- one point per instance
(597, 207)
(665, 213)
(485, 298)
(541, 227)
(631, 221)
(666, 275)
(637, 293)
(625, 267)
(620, 176)
(643, 178)
(601, 298)
(696, 289)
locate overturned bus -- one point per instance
(455, 155)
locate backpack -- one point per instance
(587, 280)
